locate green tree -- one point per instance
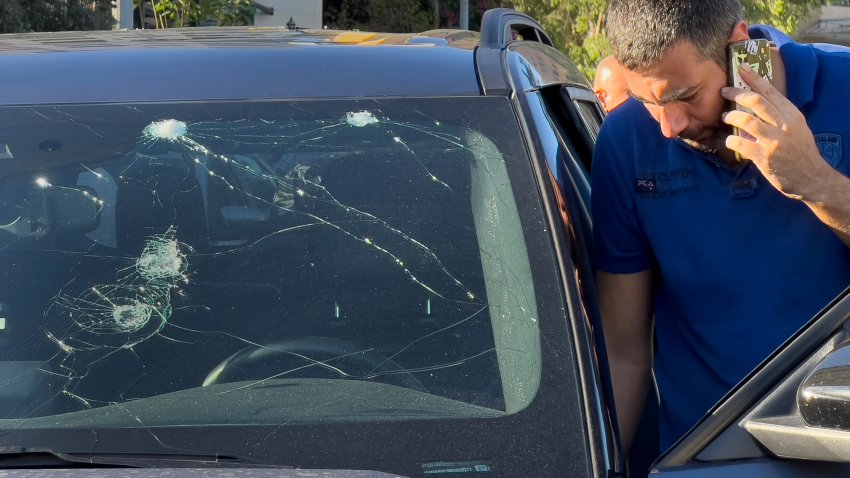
(221, 12)
(450, 12)
(577, 26)
(785, 15)
(400, 16)
(11, 17)
(382, 15)
(193, 13)
(345, 14)
(55, 15)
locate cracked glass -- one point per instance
(261, 262)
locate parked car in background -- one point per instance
(252, 251)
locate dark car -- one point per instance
(229, 251)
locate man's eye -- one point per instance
(688, 99)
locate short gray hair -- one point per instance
(641, 31)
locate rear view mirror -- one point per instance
(40, 208)
(72, 210)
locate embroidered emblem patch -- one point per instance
(645, 185)
(829, 145)
(666, 183)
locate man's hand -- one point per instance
(782, 147)
(777, 140)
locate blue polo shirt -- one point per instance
(740, 266)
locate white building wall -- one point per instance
(305, 13)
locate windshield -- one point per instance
(310, 263)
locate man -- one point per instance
(609, 84)
(730, 258)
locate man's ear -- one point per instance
(601, 95)
(741, 32)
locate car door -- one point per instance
(561, 118)
(790, 417)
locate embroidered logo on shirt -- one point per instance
(829, 145)
(667, 184)
(645, 185)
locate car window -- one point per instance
(587, 109)
(359, 261)
(351, 245)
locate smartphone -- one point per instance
(755, 53)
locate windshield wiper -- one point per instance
(20, 457)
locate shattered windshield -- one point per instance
(262, 262)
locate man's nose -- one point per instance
(673, 119)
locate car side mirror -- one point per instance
(824, 395)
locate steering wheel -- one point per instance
(311, 357)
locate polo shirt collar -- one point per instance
(801, 64)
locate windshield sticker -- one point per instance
(455, 468)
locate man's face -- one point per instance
(682, 92)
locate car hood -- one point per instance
(198, 472)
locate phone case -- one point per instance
(756, 53)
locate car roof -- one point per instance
(222, 63)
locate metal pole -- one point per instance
(125, 14)
(464, 14)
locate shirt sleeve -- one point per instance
(621, 246)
